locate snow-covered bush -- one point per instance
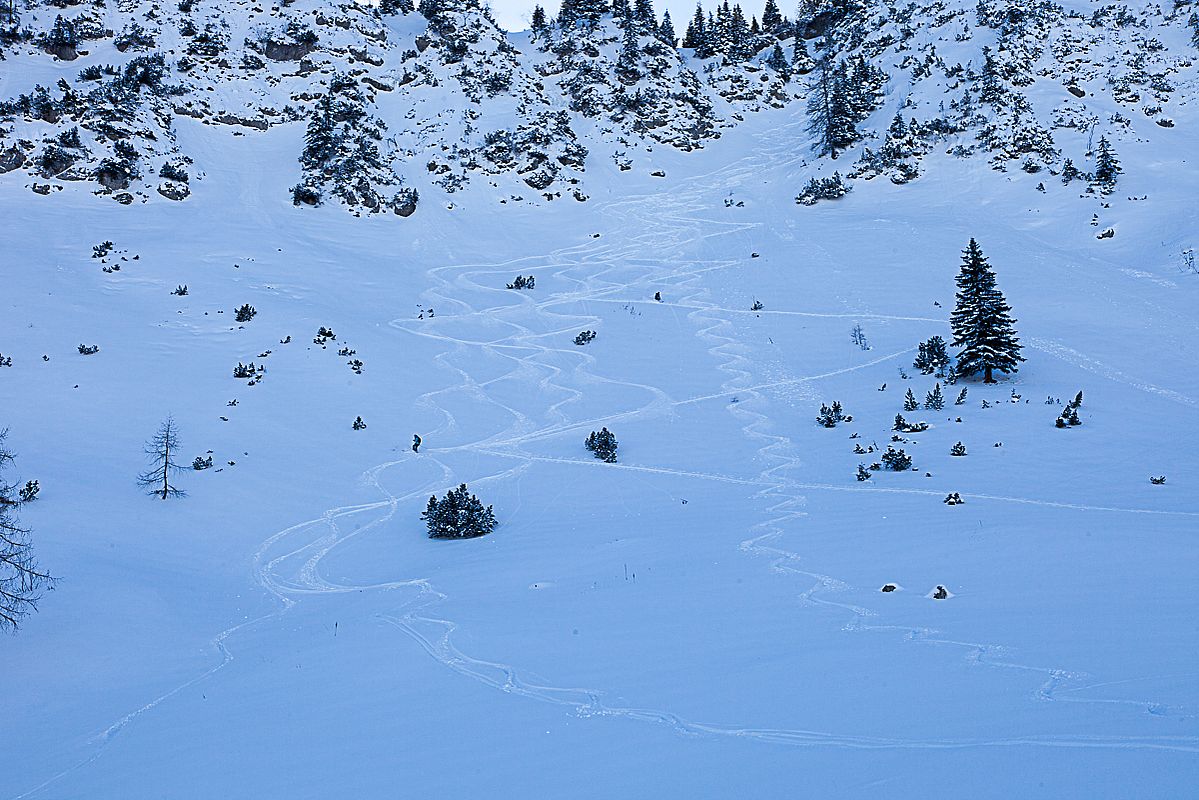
(831, 188)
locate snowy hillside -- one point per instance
(738, 604)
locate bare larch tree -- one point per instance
(21, 581)
(163, 451)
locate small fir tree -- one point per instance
(934, 400)
(1107, 167)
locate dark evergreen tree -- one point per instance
(645, 16)
(666, 31)
(1107, 167)
(981, 322)
(538, 23)
(697, 33)
(778, 62)
(863, 473)
(990, 85)
(831, 117)
(801, 61)
(909, 402)
(738, 42)
(628, 67)
(772, 20)
(935, 400)
(1070, 172)
(587, 12)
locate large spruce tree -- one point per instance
(981, 322)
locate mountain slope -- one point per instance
(701, 618)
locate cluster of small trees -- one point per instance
(603, 444)
(842, 94)
(521, 282)
(458, 515)
(342, 154)
(829, 416)
(727, 32)
(933, 358)
(833, 187)
(1069, 416)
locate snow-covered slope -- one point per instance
(702, 618)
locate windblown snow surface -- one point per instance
(702, 618)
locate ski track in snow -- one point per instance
(287, 564)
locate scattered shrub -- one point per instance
(829, 416)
